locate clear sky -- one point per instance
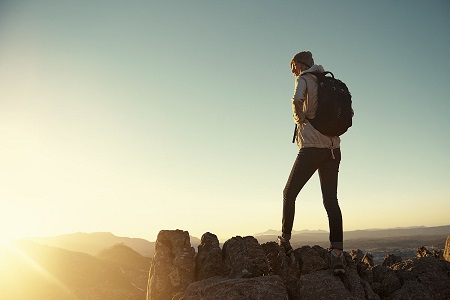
(137, 116)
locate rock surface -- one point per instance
(430, 275)
(209, 262)
(244, 269)
(244, 257)
(280, 265)
(222, 288)
(423, 252)
(173, 265)
(385, 282)
(447, 250)
(322, 285)
(391, 259)
(310, 260)
(357, 255)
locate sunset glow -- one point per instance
(22, 277)
(132, 118)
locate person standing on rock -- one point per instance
(317, 152)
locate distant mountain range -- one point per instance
(311, 236)
(278, 232)
(401, 241)
(94, 243)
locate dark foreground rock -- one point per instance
(244, 257)
(280, 265)
(221, 288)
(310, 260)
(385, 281)
(322, 285)
(244, 269)
(423, 278)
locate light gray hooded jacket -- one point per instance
(304, 105)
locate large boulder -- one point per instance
(385, 281)
(244, 257)
(173, 265)
(310, 259)
(220, 288)
(356, 286)
(208, 262)
(323, 285)
(432, 273)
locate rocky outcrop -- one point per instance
(423, 252)
(310, 259)
(244, 257)
(208, 262)
(368, 259)
(173, 266)
(244, 269)
(357, 255)
(391, 259)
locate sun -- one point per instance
(7, 238)
(20, 269)
(6, 242)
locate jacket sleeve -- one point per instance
(298, 100)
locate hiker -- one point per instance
(317, 152)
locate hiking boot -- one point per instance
(281, 241)
(337, 263)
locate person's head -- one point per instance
(301, 62)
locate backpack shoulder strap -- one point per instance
(322, 74)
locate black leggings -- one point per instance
(308, 161)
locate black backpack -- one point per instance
(334, 105)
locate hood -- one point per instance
(315, 68)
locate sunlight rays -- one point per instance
(17, 266)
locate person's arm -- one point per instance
(298, 99)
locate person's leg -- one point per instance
(328, 173)
(304, 167)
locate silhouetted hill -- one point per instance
(33, 271)
(93, 243)
(125, 256)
